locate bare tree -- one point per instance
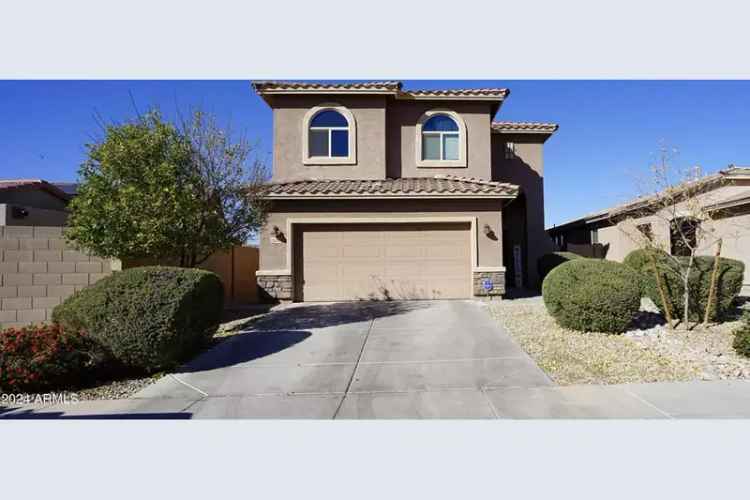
(678, 201)
(230, 180)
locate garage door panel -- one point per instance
(351, 250)
(365, 270)
(446, 270)
(385, 261)
(402, 250)
(441, 251)
(402, 270)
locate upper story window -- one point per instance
(510, 150)
(441, 140)
(329, 136)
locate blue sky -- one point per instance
(609, 130)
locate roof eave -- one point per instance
(390, 196)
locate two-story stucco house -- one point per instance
(379, 192)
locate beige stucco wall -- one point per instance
(288, 125)
(402, 118)
(273, 255)
(527, 171)
(624, 237)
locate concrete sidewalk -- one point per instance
(710, 399)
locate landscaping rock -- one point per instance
(647, 352)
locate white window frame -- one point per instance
(461, 161)
(441, 134)
(351, 159)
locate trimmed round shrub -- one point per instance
(549, 261)
(741, 341)
(147, 318)
(592, 295)
(42, 357)
(728, 282)
(640, 260)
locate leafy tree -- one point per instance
(150, 189)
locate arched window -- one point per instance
(329, 136)
(441, 140)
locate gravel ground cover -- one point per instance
(646, 353)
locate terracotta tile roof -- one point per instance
(439, 185)
(499, 93)
(524, 127)
(392, 87)
(263, 87)
(19, 184)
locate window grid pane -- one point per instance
(440, 123)
(450, 146)
(318, 143)
(329, 118)
(431, 147)
(340, 143)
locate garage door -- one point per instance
(384, 262)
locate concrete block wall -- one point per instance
(38, 270)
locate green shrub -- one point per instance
(592, 295)
(147, 318)
(640, 260)
(549, 261)
(741, 341)
(42, 357)
(729, 282)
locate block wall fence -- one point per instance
(38, 270)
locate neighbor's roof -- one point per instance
(30, 184)
(442, 186)
(69, 188)
(524, 127)
(708, 182)
(394, 88)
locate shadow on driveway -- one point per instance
(244, 347)
(286, 327)
(308, 316)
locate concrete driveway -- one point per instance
(356, 360)
(345, 360)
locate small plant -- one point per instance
(549, 261)
(41, 357)
(741, 341)
(592, 295)
(147, 319)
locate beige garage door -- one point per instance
(384, 261)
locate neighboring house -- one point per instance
(384, 193)
(29, 202)
(618, 230)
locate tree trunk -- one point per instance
(662, 293)
(712, 290)
(686, 292)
